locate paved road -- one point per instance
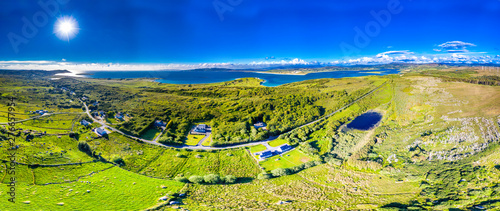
(203, 139)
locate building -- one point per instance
(260, 125)
(119, 116)
(85, 123)
(267, 154)
(284, 148)
(201, 128)
(41, 112)
(274, 151)
(159, 123)
(101, 132)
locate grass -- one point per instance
(286, 160)
(53, 124)
(44, 175)
(208, 141)
(193, 139)
(277, 142)
(257, 148)
(113, 189)
(234, 162)
(333, 188)
(46, 150)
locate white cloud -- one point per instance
(454, 47)
(403, 52)
(404, 56)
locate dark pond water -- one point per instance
(201, 77)
(365, 121)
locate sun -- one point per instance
(66, 28)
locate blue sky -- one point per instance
(188, 31)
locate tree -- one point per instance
(212, 178)
(196, 179)
(165, 140)
(230, 179)
(280, 172)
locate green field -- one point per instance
(286, 160)
(111, 189)
(208, 141)
(277, 142)
(193, 139)
(227, 162)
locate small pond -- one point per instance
(365, 121)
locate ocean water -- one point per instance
(201, 77)
(365, 121)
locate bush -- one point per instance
(335, 162)
(181, 179)
(212, 178)
(196, 179)
(180, 155)
(298, 168)
(309, 164)
(280, 172)
(118, 160)
(263, 176)
(229, 179)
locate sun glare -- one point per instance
(66, 28)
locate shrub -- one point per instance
(180, 155)
(335, 162)
(166, 140)
(212, 178)
(196, 179)
(181, 179)
(230, 179)
(318, 162)
(280, 172)
(309, 164)
(263, 176)
(118, 160)
(296, 169)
